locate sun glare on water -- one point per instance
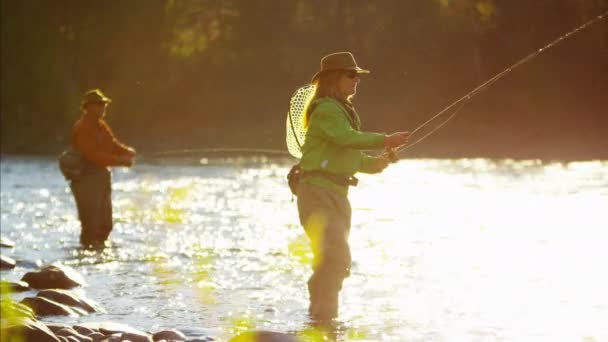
(443, 250)
(472, 248)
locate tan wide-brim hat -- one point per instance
(94, 96)
(339, 61)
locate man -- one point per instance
(93, 139)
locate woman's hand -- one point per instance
(391, 155)
(380, 163)
(396, 139)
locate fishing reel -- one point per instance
(391, 155)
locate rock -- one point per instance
(109, 328)
(263, 336)
(17, 310)
(69, 332)
(136, 337)
(16, 286)
(54, 276)
(71, 299)
(84, 331)
(7, 263)
(64, 330)
(169, 335)
(55, 327)
(6, 243)
(46, 307)
(28, 330)
(113, 338)
(97, 336)
(200, 333)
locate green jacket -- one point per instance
(334, 143)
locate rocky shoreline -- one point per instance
(23, 320)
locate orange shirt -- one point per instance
(95, 141)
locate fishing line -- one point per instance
(294, 138)
(405, 147)
(491, 81)
(215, 150)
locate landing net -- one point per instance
(296, 132)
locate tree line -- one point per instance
(211, 73)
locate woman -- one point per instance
(94, 141)
(331, 155)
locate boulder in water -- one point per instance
(84, 331)
(71, 333)
(46, 307)
(7, 263)
(96, 336)
(64, 330)
(109, 328)
(114, 338)
(6, 243)
(136, 337)
(71, 299)
(169, 335)
(54, 276)
(55, 327)
(28, 330)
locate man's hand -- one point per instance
(130, 151)
(127, 160)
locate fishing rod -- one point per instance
(461, 101)
(303, 95)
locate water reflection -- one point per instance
(442, 249)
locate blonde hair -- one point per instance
(326, 85)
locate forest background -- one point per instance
(189, 74)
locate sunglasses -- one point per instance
(351, 74)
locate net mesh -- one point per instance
(296, 132)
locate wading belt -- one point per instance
(334, 178)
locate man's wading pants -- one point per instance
(93, 195)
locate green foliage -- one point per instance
(11, 314)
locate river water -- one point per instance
(443, 250)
